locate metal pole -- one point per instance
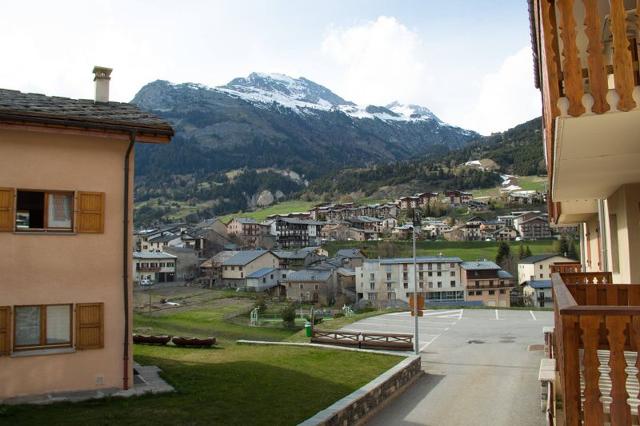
(415, 293)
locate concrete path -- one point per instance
(479, 368)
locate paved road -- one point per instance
(480, 370)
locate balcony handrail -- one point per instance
(583, 334)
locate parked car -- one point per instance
(145, 282)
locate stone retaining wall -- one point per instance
(356, 407)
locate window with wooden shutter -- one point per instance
(89, 325)
(90, 212)
(7, 219)
(5, 330)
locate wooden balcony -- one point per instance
(565, 267)
(596, 343)
(586, 60)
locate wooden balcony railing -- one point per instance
(564, 267)
(597, 338)
(587, 62)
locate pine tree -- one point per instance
(504, 251)
(528, 252)
(522, 253)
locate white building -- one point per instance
(265, 279)
(159, 267)
(438, 279)
(537, 267)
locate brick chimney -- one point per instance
(102, 77)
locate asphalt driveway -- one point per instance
(480, 367)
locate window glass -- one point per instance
(27, 325)
(59, 210)
(58, 324)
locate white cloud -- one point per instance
(376, 62)
(507, 97)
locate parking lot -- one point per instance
(481, 367)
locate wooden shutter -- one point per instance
(5, 330)
(7, 218)
(90, 212)
(89, 326)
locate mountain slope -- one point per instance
(276, 121)
(516, 151)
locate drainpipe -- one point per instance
(602, 225)
(125, 260)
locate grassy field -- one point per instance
(280, 208)
(230, 384)
(529, 183)
(466, 250)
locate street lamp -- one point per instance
(416, 339)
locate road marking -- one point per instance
(533, 316)
(429, 342)
(497, 317)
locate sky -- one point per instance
(468, 61)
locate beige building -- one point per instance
(236, 268)
(66, 180)
(486, 282)
(157, 267)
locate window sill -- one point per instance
(43, 232)
(39, 352)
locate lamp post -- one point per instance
(416, 338)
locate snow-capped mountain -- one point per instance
(273, 120)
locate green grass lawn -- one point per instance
(230, 384)
(466, 250)
(280, 208)
(239, 385)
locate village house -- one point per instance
(267, 280)
(504, 234)
(434, 228)
(351, 257)
(311, 285)
(526, 197)
(187, 262)
(300, 258)
(385, 280)
(211, 269)
(538, 293)
(66, 187)
(155, 266)
(236, 268)
(538, 267)
(456, 197)
(486, 282)
(246, 230)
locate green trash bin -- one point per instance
(308, 328)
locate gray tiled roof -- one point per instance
(480, 265)
(261, 272)
(25, 106)
(306, 275)
(244, 257)
(350, 253)
(152, 255)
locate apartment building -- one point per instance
(384, 280)
(248, 231)
(297, 232)
(66, 214)
(458, 197)
(534, 228)
(486, 282)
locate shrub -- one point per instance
(288, 315)
(338, 315)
